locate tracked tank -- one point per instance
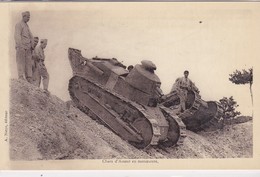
(124, 101)
(199, 114)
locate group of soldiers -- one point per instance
(30, 57)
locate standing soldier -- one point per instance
(35, 70)
(40, 57)
(24, 46)
(182, 85)
(35, 42)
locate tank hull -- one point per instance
(199, 115)
(109, 99)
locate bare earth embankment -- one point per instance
(45, 127)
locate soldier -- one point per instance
(24, 46)
(35, 70)
(182, 85)
(35, 42)
(43, 74)
(130, 67)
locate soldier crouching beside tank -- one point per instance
(182, 85)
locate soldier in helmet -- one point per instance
(182, 85)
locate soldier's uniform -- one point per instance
(35, 70)
(41, 71)
(24, 43)
(182, 86)
(36, 75)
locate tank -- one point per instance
(124, 101)
(199, 114)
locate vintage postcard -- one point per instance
(130, 85)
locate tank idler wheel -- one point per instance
(145, 129)
(173, 133)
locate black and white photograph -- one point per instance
(130, 83)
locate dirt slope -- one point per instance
(44, 127)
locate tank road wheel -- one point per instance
(145, 130)
(173, 133)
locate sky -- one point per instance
(209, 41)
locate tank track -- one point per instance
(191, 116)
(182, 128)
(153, 122)
(216, 122)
